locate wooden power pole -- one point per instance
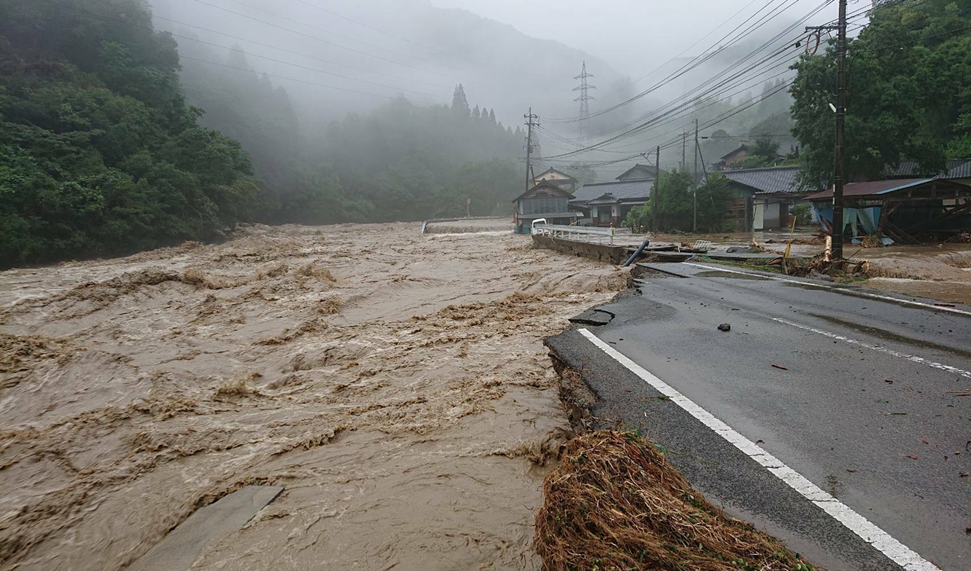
(694, 180)
(657, 187)
(838, 175)
(839, 151)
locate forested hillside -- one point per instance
(400, 161)
(99, 154)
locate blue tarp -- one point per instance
(865, 219)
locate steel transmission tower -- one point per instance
(584, 99)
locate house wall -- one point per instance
(543, 205)
(772, 215)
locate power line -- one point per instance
(698, 61)
(326, 31)
(370, 27)
(655, 70)
(287, 78)
(292, 52)
(328, 42)
(641, 127)
(238, 50)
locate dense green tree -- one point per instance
(765, 147)
(677, 200)
(908, 97)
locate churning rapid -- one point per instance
(396, 386)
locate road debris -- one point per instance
(725, 327)
(615, 502)
(780, 367)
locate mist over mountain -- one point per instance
(373, 51)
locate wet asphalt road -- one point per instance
(864, 402)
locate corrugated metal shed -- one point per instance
(766, 180)
(631, 190)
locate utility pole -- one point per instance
(529, 144)
(694, 180)
(684, 150)
(657, 187)
(839, 174)
(840, 141)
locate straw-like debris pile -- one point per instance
(614, 503)
(819, 266)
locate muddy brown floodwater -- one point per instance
(395, 385)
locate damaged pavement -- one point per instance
(862, 393)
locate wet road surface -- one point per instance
(855, 391)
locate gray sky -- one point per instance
(630, 34)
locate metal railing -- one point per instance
(578, 233)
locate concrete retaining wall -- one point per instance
(615, 255)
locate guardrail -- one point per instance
(575, 232)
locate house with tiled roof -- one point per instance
(607, 203)
(545, 200)
(769, 195)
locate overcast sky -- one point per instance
(630, 34)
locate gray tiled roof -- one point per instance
(628, 190)
(956, 168)
(767, 180)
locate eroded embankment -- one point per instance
(614, 502)
(396, 386)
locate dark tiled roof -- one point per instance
(742, 148)
(605, 199)
(767, 180)
(546, 184)
(650, 169)
(627, 190)
(956, 168)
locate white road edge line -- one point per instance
(879, 539)
(912, 358)
(823, 286)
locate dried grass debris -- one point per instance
(615, 503)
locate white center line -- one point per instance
(879, 539)
(831, 288)
(912, 358)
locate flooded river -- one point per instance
(395, 385)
